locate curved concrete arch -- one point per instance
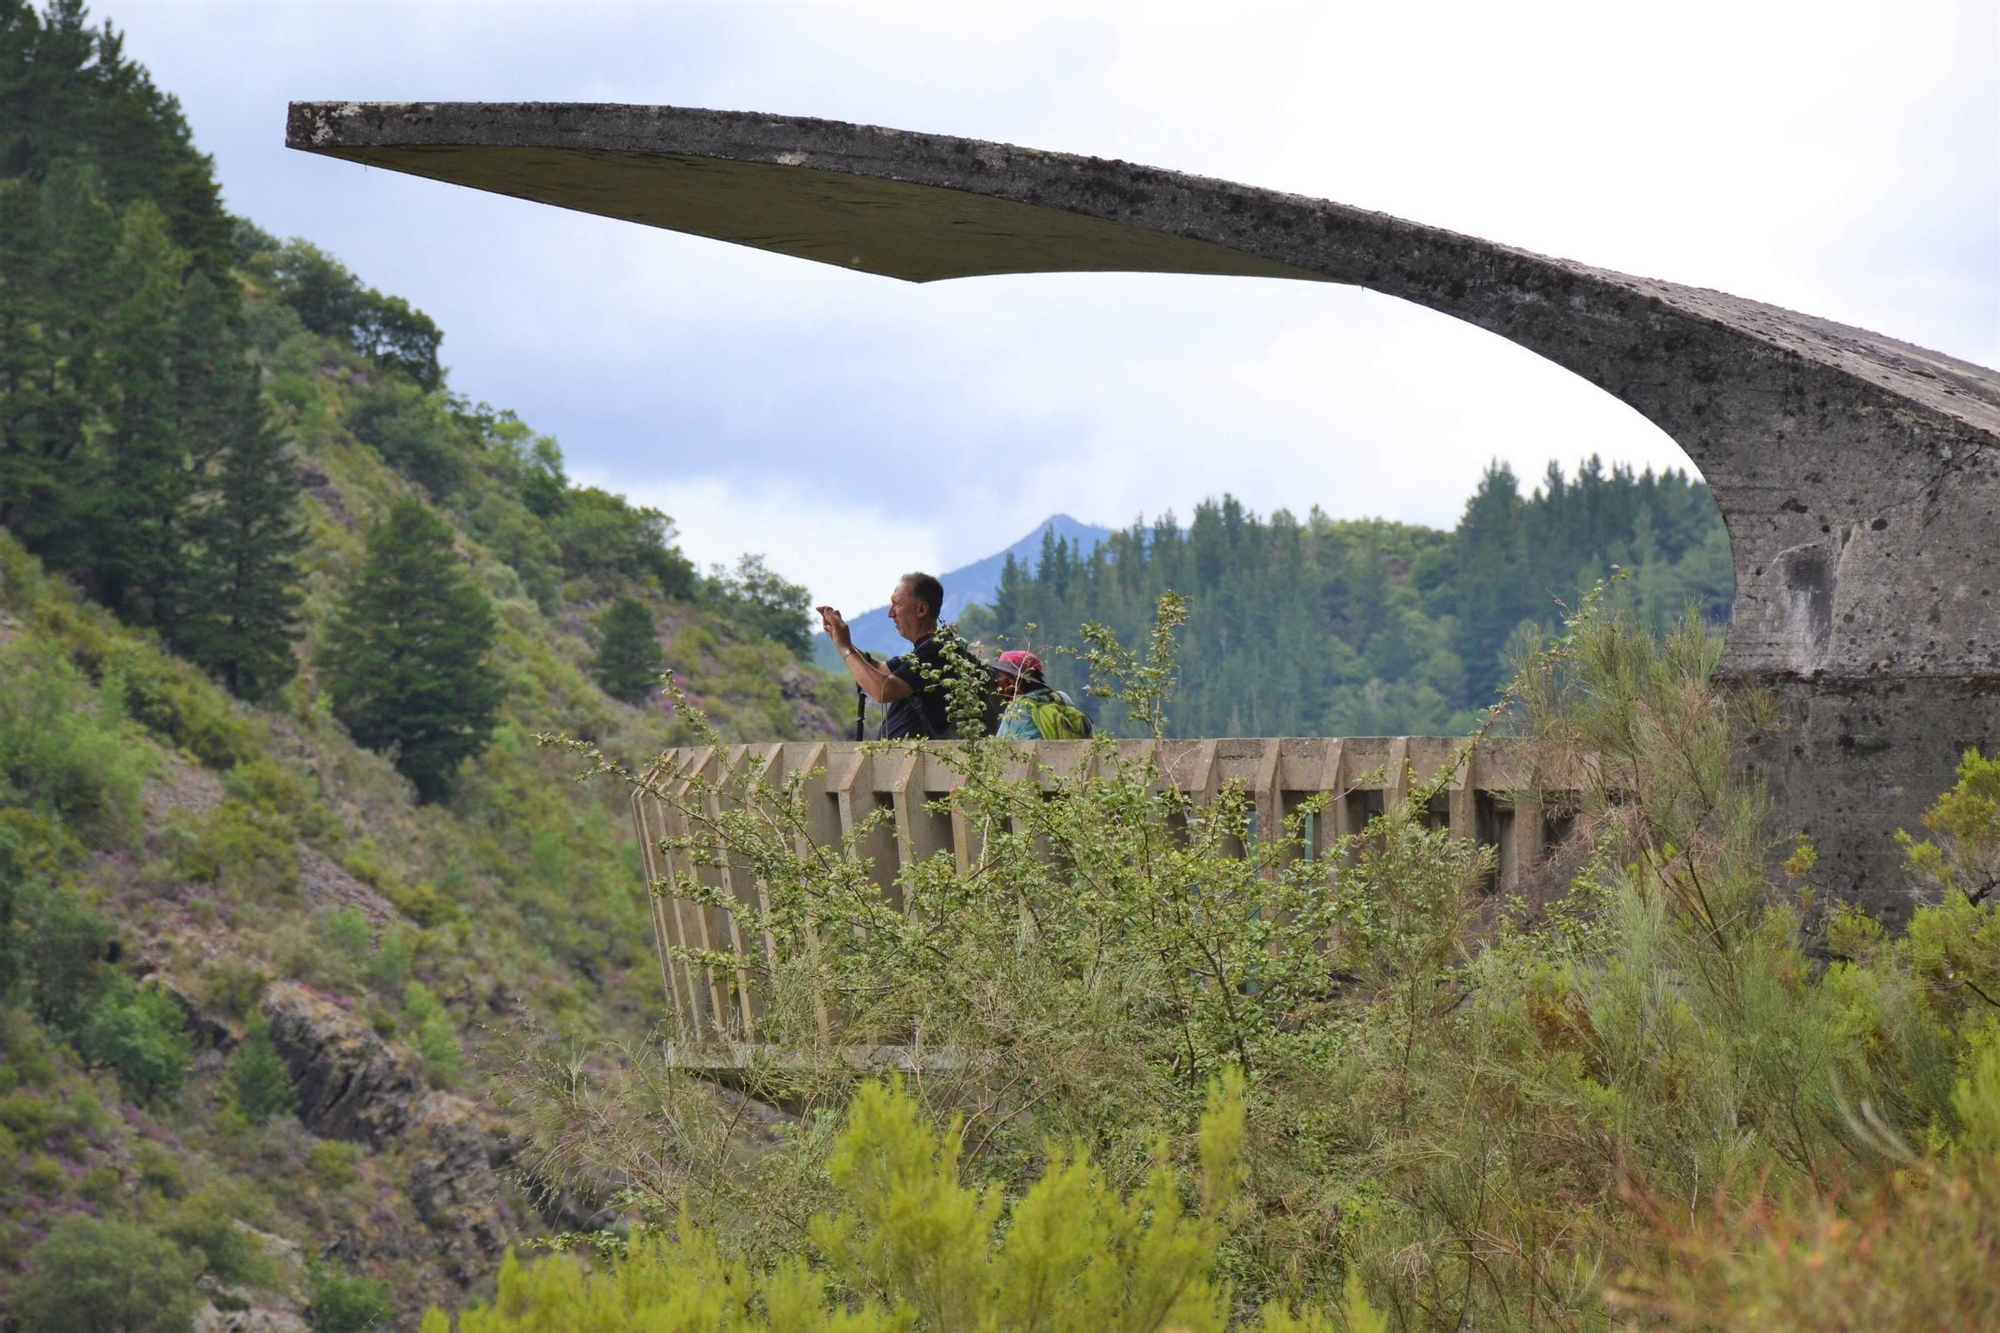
(1859, 476)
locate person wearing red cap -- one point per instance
(1034, 712)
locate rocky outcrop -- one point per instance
(352, 1085)
(349, 1084)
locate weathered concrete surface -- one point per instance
(1859, 476)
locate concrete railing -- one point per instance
(1493, 797)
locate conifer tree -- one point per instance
(629, 659)
(263, 1084)
(241, 608)
(405, 658)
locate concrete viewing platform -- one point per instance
(1491, 794)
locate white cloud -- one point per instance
(1842, 159)
(837, 554)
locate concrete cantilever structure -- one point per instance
(1859, 476)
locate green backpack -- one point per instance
(1058, 720)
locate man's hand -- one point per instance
(835, 626)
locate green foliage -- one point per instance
(27, 1117)
(629, 657)
(405, 660)
(433, 1033)
(764, 603)
(388, 968)
(107, 1277)
(1962, 856)
(243, 849)
(262, 1083)
(241, 610)
(1483, 1112)
(66, 752)
(141, 1034)
(607, 543)
(332, 301)
(1318, 627)
(907, 1245)
(66, 944)
(342, 1303)
(205, 1224)
(333, 1163)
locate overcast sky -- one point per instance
(1841, 159)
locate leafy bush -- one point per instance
(140, 1032)
(233, 986)
(388, 969)
(66, 944)
(107, 1277)
(205, 1225)
(333, 1163)
(27, 1117)
(908, 1245)
(242, 849)
(65, 750)
(345, 1304)
(434, 1034)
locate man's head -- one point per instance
(915, 604)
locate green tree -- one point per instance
(89, 1276)
(140, 1032)
(763, 602)
(405, 658)
(263, 1084)
(629, 658)
(241, 606)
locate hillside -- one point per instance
(255, 978)
(1320, 627)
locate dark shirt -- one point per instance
(922, 711)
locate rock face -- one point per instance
(351, 1085)
(348, 1083)
(1859, 476)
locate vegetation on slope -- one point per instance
(1316, 627)
(248, 967)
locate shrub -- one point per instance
(159, 1171)
(423, 904)
(141, 1034)
(233, 986)
(433, 1034)
(205, 1225)
(344, 1304)
(66, 944)
(274, 790)
(346, 934)
(100, 1185)
(27, 1117)
(65, 751)
(241, 849)
(176, 702)
(44, 1175)
(107, 1277)
(388, 969)
(334, 1164)
(908, 1245)
(262, 1083)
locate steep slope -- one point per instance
(253, 992)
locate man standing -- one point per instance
(912, 686)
